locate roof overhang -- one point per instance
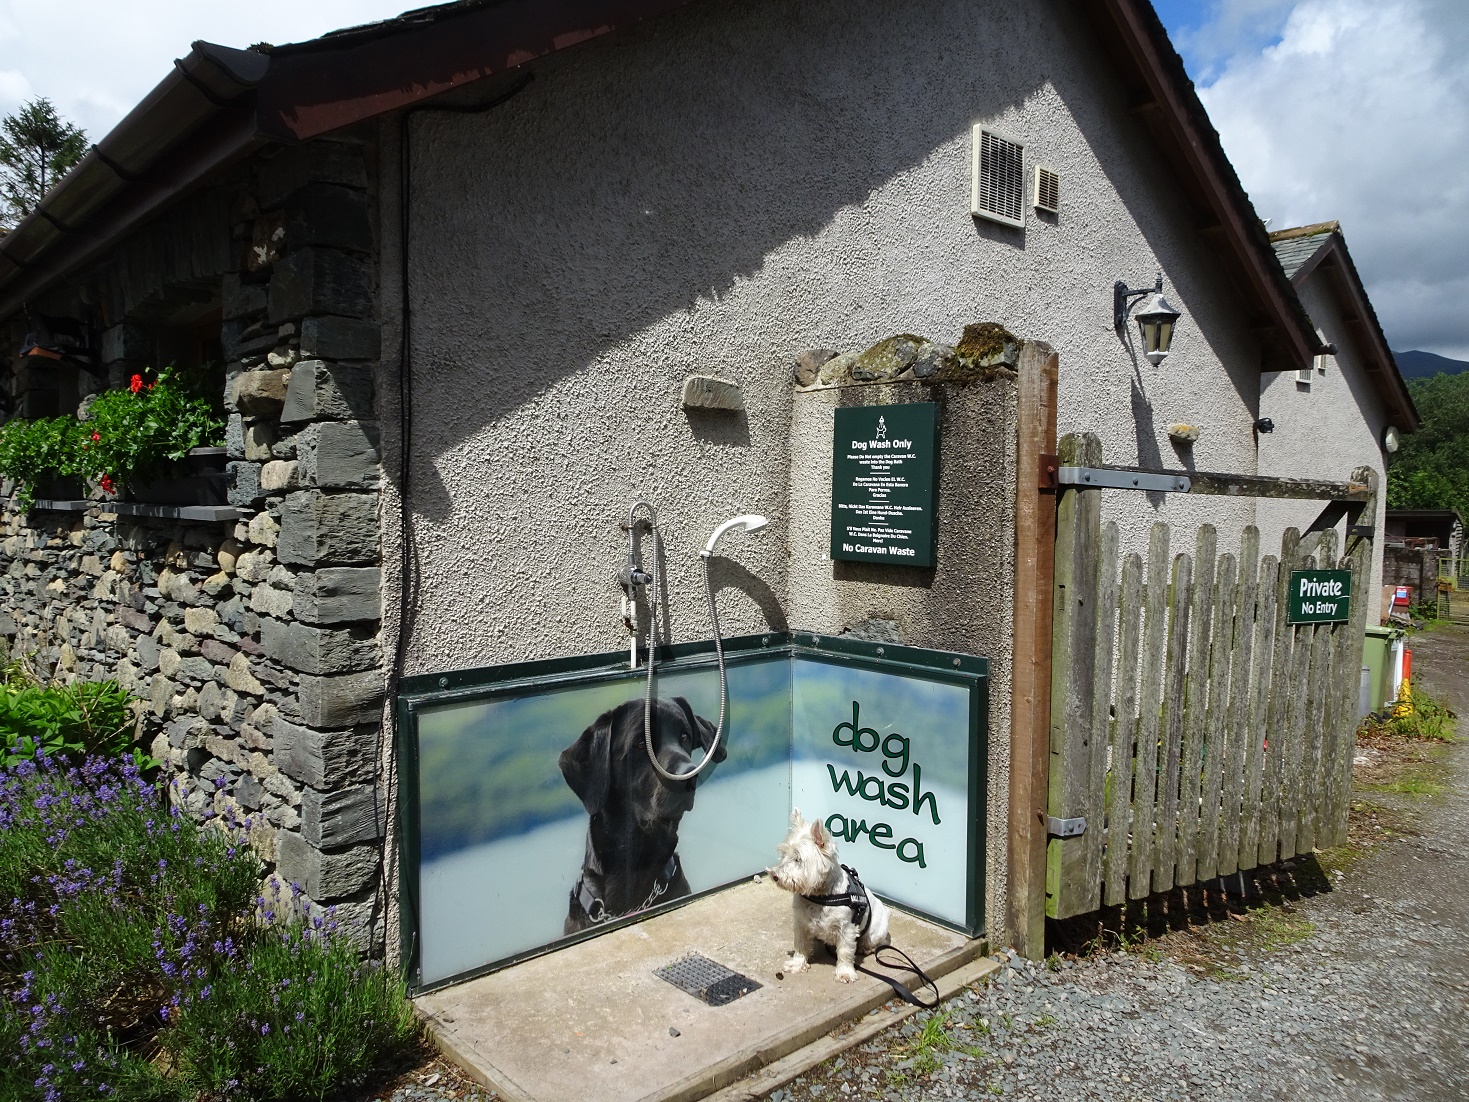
(1332, 260)
(1161, 95)
(220, 104)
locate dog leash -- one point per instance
(903, 991)
(855, 897)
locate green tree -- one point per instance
(37, 146)
(1431, 469)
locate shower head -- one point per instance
(750, 523)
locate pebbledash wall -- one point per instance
(581, 248)
(251, 641)
(1324, 428)
(574, 254)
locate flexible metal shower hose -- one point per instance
(656, 573)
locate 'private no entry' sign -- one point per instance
(1319, 596)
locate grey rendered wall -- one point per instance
(1323, 430)
(713, 192)
(964, 603)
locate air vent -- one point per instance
(1047, 190)
(999, 178)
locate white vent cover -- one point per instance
(1047, 190)
(999, 178)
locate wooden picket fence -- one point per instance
(1194, 729)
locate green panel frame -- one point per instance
(421, 691)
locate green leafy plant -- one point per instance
(88, 717)
(129, 436)
(1430, 719)
(135, 432)
(33, 451)
(140, 959)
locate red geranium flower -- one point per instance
(137, 384)
(96, 435)
(107, 484)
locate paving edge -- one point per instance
(465, 1060)
(777, 1061)
(782, 1071)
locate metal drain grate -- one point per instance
(702, 978)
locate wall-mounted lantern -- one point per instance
(1156, 319)
(1391, 439)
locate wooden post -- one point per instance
(1030, 673)
(1073, 673)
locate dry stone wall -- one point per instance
(253, 643)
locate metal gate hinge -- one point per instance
(1065, 828)
(1107, 478)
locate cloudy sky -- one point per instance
(1356, 110)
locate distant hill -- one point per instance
(1422, 365)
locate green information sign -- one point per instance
(1319, 596)
(884, 482)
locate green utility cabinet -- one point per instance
(1376, 657)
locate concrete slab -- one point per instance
(592, 1021)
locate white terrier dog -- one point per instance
(831, 906)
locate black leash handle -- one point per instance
(898, 986)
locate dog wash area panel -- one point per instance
(530, 814)
(890, 759)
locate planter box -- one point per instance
(59, 488)
(197, 480)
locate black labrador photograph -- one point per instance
(631, 860)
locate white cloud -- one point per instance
(95, 59)
(1360, 113)
(14, 87)
(1232, 27)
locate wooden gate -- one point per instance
(1193, 729)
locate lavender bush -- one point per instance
(139, 959)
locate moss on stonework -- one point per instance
(984, 340)
(985, 352)
(888, 358)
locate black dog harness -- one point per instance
(855, 898)
(596, 909)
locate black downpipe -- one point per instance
(408, 575)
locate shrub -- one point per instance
(129, 436)
(139, 961)
(303, 1016)
(88, 717)
(135, 432)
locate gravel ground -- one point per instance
(1340, 976)
(1343, 976)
